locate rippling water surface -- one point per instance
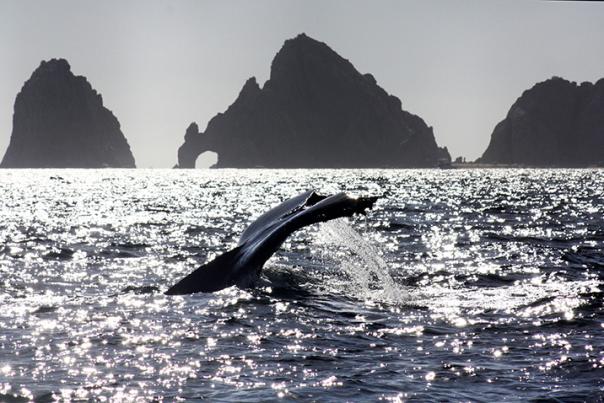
(461, 284)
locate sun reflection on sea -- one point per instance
(458, 281)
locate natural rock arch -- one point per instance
(315, 111)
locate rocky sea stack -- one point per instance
(557, 123)
(59, 121)
(315, 111)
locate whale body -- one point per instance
(241, 266)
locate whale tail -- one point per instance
(264, 236)
(212, 276)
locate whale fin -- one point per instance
(212, 276)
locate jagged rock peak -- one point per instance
(304, 55)
(53, 66)
(250, 87)
(59, 121)
(192, 131)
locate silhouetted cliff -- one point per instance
(59, 121)
(556, 123)
(316, 110)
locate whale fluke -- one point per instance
(242, 266)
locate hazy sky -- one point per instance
(162, 64)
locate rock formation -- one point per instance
(557, 123)
(315, 111)
(59, 121)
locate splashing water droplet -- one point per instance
(364, 264)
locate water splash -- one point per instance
(363, 263)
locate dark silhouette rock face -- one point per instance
(60, 122)
(315, 111)
(557, 123)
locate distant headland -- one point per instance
(59, 121)
(556, 123)
(315, 111)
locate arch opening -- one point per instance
(206, 159)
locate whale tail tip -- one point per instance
(365, 203)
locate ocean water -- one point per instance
(460, 285)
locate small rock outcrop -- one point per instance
(315, 111)
(59, 121)
(557, 123)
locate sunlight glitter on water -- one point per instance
(469, 280)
